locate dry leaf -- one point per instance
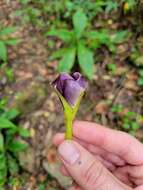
(101, 107)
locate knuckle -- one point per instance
(94, 175)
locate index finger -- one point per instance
(120, 143)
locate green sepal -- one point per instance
(69, 114)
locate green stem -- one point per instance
(68, 124)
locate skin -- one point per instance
(120, 153)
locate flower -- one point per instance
(126, 6)
(70, 87)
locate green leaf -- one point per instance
(130, 114)
(69, 5)
(2, 182)
(17, 146)
(9, 74)
(12, 42)
(79, 22)
(3, 51)
(141, 72)
(119, 37)
(10, 114)
(102, 36)
(7, 31)
(24, 2)
(2, 161)
(110, 5)
(1, 143)
(86, 61)
(140, 81)
(67, 61)
(126, 126)
(3, 174)
(126, 120)
(117, 108)
(139, 61)
(3, 170)
(59, 53)
(5, 124)
(19, 12)
(42, 186)
(2, 157)
(12, 165)
(11, 131)
(63, 34)
(112, 47)
(99, 38)
(3, 102)
(111, 67)
(92, 34)
(135, 125)
(24, 132)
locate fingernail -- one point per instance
(69, 152)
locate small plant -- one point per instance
(140, 80)
(10, 143)
(127, 120)
(136, 56)
(111, 68)
(6, 40)
(7, 73)
(79, 44)
(136, 59)
(39, 12)
(91, 8)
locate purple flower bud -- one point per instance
(70, 86)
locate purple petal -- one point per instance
(80, 79)
(72, 91)
(59, 82)
(70, 87)
(76, 75)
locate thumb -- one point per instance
(87, 172)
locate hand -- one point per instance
(101, 158)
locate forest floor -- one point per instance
(41, 110)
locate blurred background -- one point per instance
(102, 39)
